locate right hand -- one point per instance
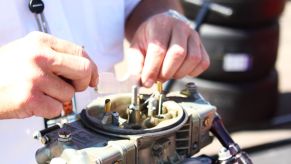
(39, 72)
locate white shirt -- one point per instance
(98, 25)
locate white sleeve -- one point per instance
(129, 5)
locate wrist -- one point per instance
(176, 15)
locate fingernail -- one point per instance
(149, 83)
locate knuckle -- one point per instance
(78, 51)
(37, 36)
(195, 58)
(204, 64)
(86, 67)
(184, 27)
(195, 35)
(29, 102)
(34, 35)
(178, 52)
(37, 79)
(56, 111)
(158, 49)
(41, 59)
(51, 110)
(160, 18)
(152, 74)
(163, 78)
(81, 86)
(67, 92)
(178, 76)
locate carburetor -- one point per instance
(140, 128)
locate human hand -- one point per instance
(39, 72)
(164, 47)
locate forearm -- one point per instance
(146, 9)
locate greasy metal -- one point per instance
(134, 98)
(107, 118)
(107, 105)
(64, 135)
(177, 133)
(115, 118)
(41, 135)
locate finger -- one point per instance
(94, 71)
(75, 68)
(194, 57)
(60, 45)
(153, 63)
(73, 49)
(175, 54)
(56, 87)
(155, 53)
(203, 65)
(63, 46)
(46, 106)
(135, 60)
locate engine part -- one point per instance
(235, 101)
(238, 55)
(166, 136)
(231, 152)
(238, 13)
(179, 130)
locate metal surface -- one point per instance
(176, 133)
(171, 136)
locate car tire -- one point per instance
(246, 13)
(240, 105)
(240, 54)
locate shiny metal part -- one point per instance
(134, 98)
(152, 106)
(164, 129)
(107, 118)
(115, 118)
(159, 86)
(64, 135)
(161, 100)
(107, 105)
(41, 23)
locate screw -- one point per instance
(192, 87)
(64, 135)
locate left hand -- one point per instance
(164, 47)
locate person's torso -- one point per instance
(98, 25)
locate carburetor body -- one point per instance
(133, 128)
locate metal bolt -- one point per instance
(115, 118)
(225, 155)
(192, 87)
(44, 140)
(157, 150)
(134, 97)
(64, 135)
